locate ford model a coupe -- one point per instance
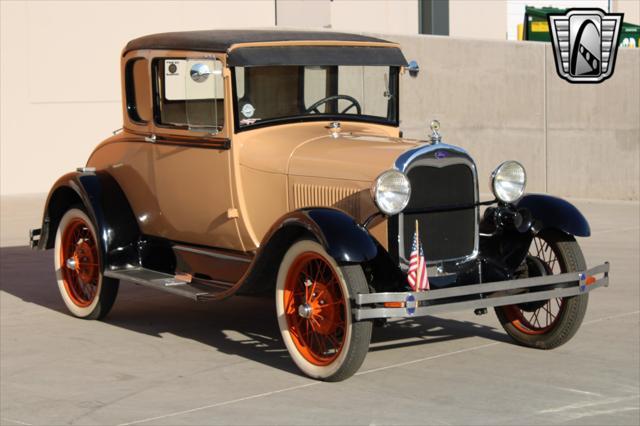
(271, 163)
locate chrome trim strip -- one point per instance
(466, 290)
(412, 299)
(408, 156)
(363, 314)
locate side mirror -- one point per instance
(413, 68)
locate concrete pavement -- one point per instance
(158, 359)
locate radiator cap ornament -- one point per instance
(435, 132)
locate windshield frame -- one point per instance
(394, 81)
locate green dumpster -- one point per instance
(536, 27)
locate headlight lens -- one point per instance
(508, 181)
(391, 192)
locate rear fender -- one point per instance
(108, 207)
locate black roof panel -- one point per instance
(221, 40)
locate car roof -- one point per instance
(222, 40)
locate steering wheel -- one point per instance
(354, 103)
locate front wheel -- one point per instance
(84, 290)
(549, 323)
(314, 312)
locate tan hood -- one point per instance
(349, 157)
(359, 153)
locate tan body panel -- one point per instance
(184, 189)
(272, 165)
(176, 192)
(354, 156)
(179, 187)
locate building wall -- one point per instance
(60, 91)
(60, 76)
(630, 8)
(303, 13)
(482, 19)
(504, 100)
(382, 16)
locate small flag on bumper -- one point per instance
(417, 276)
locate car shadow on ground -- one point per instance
(242, 326)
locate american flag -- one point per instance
(417, 265)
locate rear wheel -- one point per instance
(314, 312)
(549, 323)
(84, 290)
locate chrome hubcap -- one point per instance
(305, 310)
(71, 263)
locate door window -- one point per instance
(190, 94)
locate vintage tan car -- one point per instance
(271, 163)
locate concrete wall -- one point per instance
(503, 100)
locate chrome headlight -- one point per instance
(391, 192)
(508, 181)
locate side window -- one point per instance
(190, 93)
(137, 90)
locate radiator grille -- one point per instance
(447, 234)
(346, 199)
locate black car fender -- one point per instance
(507, 231)
(553, 212)
(344, 239)
(340, 235)
(107, 206)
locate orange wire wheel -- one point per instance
(536, 320)
(85, 292)
(314, 312)
(315, 309)
(539, 317)
(79, 262)
(549, 323)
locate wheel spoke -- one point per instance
(320, 336)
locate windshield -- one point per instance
(267, 94)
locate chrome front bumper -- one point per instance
(477, 296)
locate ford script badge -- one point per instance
(441, 154)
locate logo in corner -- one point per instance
(585, 43)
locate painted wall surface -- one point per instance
(382, 16)
(60, 75)
(483, 19)
(630, 8)
(60, 92)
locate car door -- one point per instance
(191, 155)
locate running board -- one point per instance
(197, 291)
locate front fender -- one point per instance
(107, 206)
(553, 212)
(341, 236)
